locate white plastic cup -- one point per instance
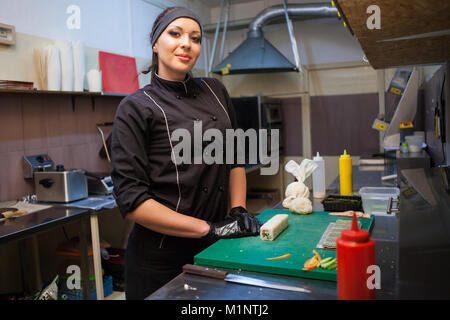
(94, 78)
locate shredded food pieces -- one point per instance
(313, 262)
(280, 257)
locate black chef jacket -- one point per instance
(141, 150)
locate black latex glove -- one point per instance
(250, 222)
(239, 224)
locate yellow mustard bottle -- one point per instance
(345, 174)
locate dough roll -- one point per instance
(272, 228)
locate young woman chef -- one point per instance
(178, 209)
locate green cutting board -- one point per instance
(299, 239)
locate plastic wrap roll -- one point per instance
(40, 62)
(53, 68)
(78, 65)
(67, 74)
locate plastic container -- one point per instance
(404, 148)
(375, 200)
(319, 178)
(345, 174)
(355, 252)
(414, 143)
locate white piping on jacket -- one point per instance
(172, 155)
(219, 102)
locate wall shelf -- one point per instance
(74, 93)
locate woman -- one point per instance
(178, 209)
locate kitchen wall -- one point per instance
(334, 75)
(117, 26)
(314, 37)
(48, 124)
(336, 83)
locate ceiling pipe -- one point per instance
(275, 14)
(312, 10)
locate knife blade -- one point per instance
(224, 275)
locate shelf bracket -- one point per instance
(72, 98)
(93, 103)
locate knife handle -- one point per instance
(204, 271)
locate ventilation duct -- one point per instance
(256, 54)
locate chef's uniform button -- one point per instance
(178, 97)
(221, 189)
(205, 189)
(214, 118)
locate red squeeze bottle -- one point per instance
(355, 252)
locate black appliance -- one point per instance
(257, 112)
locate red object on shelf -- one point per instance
(355, 253)
(119, 73)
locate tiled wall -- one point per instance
(344, 122)
(48, 124)
(291, 109)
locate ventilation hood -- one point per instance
(256, 54)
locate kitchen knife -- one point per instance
(224, 275)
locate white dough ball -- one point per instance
(287, 202)
(300, 206)
(297, 189)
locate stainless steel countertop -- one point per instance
(369, 176)
(38, 221)
(54, 215)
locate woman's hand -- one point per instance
(239, 224)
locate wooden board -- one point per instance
(299, 239)
(399, 19)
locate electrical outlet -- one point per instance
(7, 34)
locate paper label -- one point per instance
(396, 91)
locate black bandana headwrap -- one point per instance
(168, 18)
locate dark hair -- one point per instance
(154, 65)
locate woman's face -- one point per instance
(178, 48)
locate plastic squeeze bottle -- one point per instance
(319, 177)
(345, 174)
(355, 253)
